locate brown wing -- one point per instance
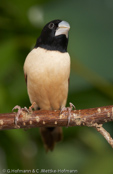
(68, 82)
(25, 76)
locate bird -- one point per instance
(47, 73)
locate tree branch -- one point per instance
(93, 117)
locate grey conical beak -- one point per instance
(63, 28)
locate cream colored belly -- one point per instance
(47, 79)
(48, 96)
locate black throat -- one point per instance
(58, 43)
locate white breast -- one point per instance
(47, 78)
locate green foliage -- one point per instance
(91, 82)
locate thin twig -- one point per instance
(105, 134)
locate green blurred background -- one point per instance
(91, 82)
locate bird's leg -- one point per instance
(69, 112)
(33, 106)
(69, 109)
(19, 112)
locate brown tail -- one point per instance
(50, 136)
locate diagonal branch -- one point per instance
(105, 134)
(93, 117)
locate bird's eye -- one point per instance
(51, 25)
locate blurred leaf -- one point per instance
(97, 81)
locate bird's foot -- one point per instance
(19, 112)
(69, 109)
